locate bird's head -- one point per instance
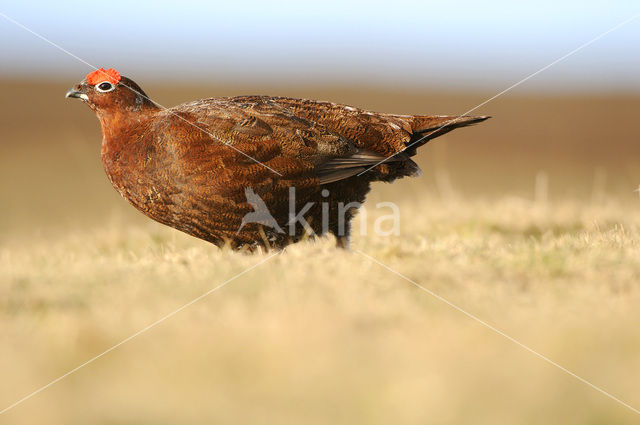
(106, 91)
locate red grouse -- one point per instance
(251, 171)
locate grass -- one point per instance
(318, 336)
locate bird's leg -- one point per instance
(342, 234)
(265, 240)
(342, 242)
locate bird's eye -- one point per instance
(105, 86)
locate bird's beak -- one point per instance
(74, 92)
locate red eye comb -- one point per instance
(100, 75)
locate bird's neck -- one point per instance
(113, 123)
(121, 127)
(122, 147)
(122, 132)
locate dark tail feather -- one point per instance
(429, 127)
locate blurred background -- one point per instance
(530, 220)
(572, 128)
(405, 45)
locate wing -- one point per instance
(385, 134)
(363, 160)
(253, 124)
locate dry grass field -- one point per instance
(530, 223)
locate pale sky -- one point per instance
(452, 44)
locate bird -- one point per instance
(251, 172)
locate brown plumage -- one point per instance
(203, 166)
